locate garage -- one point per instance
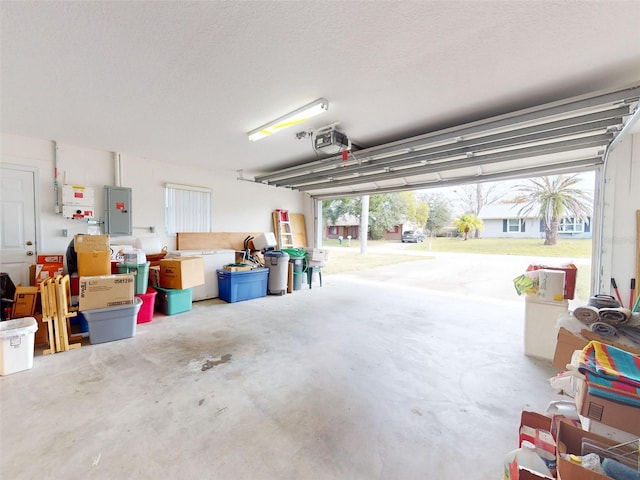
(354, 379)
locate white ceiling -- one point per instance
(184, 81)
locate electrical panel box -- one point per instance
(117, 218)
(77, 195)
(77, 211)
(77, 201)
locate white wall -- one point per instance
(493, 229)
(238, 206)
(622, 199)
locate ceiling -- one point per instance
(184, 81)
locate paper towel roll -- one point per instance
(551, 285)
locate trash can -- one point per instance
(297, 259)
(297, 272)
(278, 264)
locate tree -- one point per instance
(385, 211)
(554, 198)
(467, 223)
(332, 210)
(439, 213)
(476, 196)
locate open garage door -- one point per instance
(561, 137)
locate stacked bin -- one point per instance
(141, 288)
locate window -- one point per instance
(513, 225)
(333, 230)
(573, 225)
(187, 209)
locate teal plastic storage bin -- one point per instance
(238, 286)
(141, 272)
(171, 301)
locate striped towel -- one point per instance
(610, 362)
(613, 390)
(611, 373)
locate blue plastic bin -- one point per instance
(239, 286)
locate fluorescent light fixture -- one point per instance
(290, 119)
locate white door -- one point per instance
(17, 223)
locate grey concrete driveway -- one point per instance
(469, 275)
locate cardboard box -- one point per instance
(534, 425)
(236, 267)
(48, 270)
(24, 302)
(182, 272)
(568, 342)
(599, 428)
(91, 243)
(48, 266)
(50, 258)
(91, 264)
(614, 414)
(154, 276)
(106, 291)
(42, 334)
(94, 255)
(570, 441)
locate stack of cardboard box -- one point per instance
(177, 277)
(602, 421)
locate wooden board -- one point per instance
(212, 241)
(299, 229)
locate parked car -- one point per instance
(414, 236)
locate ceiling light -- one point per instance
(290, 119)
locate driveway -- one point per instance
(469, 275)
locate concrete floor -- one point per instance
(360, 379)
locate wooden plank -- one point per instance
(299, 229)
(212, 240)
(276, 227)
(47, 316)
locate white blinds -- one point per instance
(187, 208)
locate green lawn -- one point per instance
(571, 248)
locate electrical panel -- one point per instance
(117, 218)
(77, 201)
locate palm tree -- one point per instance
(468, 222)
(554, 198)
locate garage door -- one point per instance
(561, 137)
